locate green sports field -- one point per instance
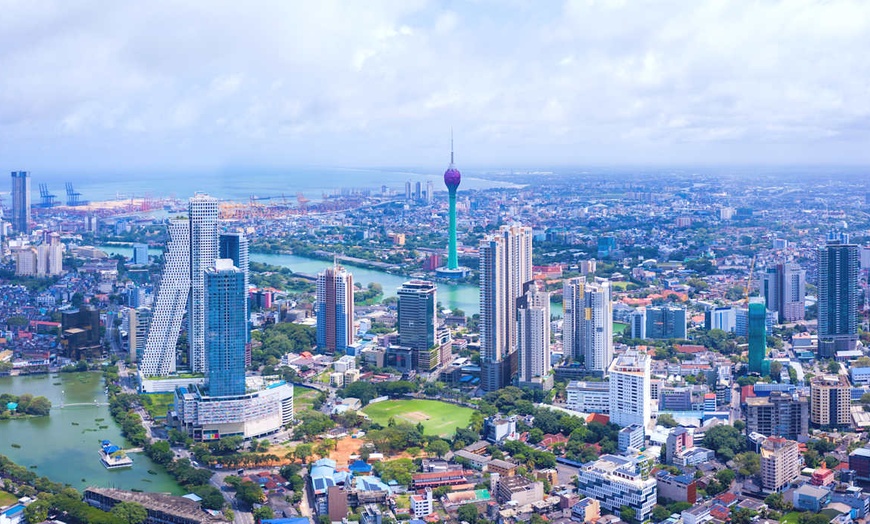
(438, 418)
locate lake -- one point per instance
(64, 446)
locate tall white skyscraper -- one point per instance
(505, 265)
(630, 389)
(158, 359)
(533, 337)
(334, 309)
(588, 323)
(203, 219)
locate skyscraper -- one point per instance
(665, 322)
(334, 309)
(225, 328)
(630, 389)
(784, 288)
(533, 337)
(234, 246)
(588, 323)
(757, 336)
(203, 214)
(417, 323)
(173, 293)
(505, 265)
(452, 178)
(838, 296)
(21, 201)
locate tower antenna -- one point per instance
(451, 146)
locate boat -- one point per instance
(113, 457)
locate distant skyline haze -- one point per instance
(205, 86)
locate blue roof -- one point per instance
(12, 406)
(360, 466)
(296, 520)
(18, 508)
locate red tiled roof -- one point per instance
(597, 417)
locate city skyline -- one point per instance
(585, 84)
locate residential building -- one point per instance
(26, 261)
(334, 309)
(140, 254)
(616, 482)
(225, 328)
(838, 296)
(830, 399)
(588, 397)
(784, 289)
(138, 321)
(421, 504)
(780, 414)
(587, 510)
(630, 389)
(631, 437)
(417, 323)
(678, 488)
(505, 265)
(588, 323)
(203, 221)
(533, 338)
(678, 441)
(665, 322)
(158, 359)
(780, 463)
(21, 202)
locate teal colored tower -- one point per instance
(757, 336)
(452, 178)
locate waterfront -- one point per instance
(65, 445)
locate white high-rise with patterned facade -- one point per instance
(533, 336)
(587, 329)
(158, 358)
(203, 219)
(630, 389)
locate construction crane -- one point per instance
(749, 281)
(46, 198)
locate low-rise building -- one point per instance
(810, 498)
(497, 428)
(588, 397)
(421, 504)
(520, 490)
(619, 481)
(587, 510)
(631, 437)
(678, 488)
(161, 508)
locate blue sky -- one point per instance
(98, 86)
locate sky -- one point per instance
(114, 86)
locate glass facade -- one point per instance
(225, 329)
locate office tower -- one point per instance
(533, 337)
(830, 399)
(90, 223)
(588, 323)
(770, 290)
(505, 265)
(665, 322)
(418, 191)
(140, 254)
(334, 309)
(779, 414)
(136, 323)
(452, 178)
(203, 219)
(430, 191)
(780, 463)
(225, 328)
(630, 389)
(838, 296)
(757, 336)
(417, 316)
(724, 318)
(173, 292)
(408, 190)
(234, 246)
(783, 289)
(618, 482)
(637, 323)
(21, 202)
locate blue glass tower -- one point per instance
(225, 329)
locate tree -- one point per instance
(725, 477)
(660, 513)
(263, 512)
(438, 447)
(627, 514)
(468, 513)
(249, 493)
(303, 451)
(210, 495)
(667, 420)
(741, 515)
(833, 367)
(775, 369)
(777, 502)
(130, 513)
(726, 440)
(748, 463)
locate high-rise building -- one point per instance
(630, 389)
(26, 261)
(234, 246)
(783, 289)
(588, 323)
(780, 463)
(452, 178)
(136, 324)
(225, 328)
(505, 265)
(618, 482)
(173, 292)
(757, 336)
(203, 220)
(838, 296)
(334, 309)
(533, 337)
(830, 400)
(417, 303)
(21, 201)
(140, 254)
(665, 322)
(724, 318)
(780, 414)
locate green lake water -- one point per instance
(64, 446)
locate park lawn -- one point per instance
(438, 418)
(619, 327)
(157, 404)
(7, 499)
(303, 398)
(790, 518)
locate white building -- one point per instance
(630, 389)
(533, 338)
(421, 505)
(345, 363)
(724, 318)
(588, 323)
(588, 397)
(158, 359)
(203, 220)
(619, 481)
(26, 261)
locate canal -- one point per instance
(64, 446)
